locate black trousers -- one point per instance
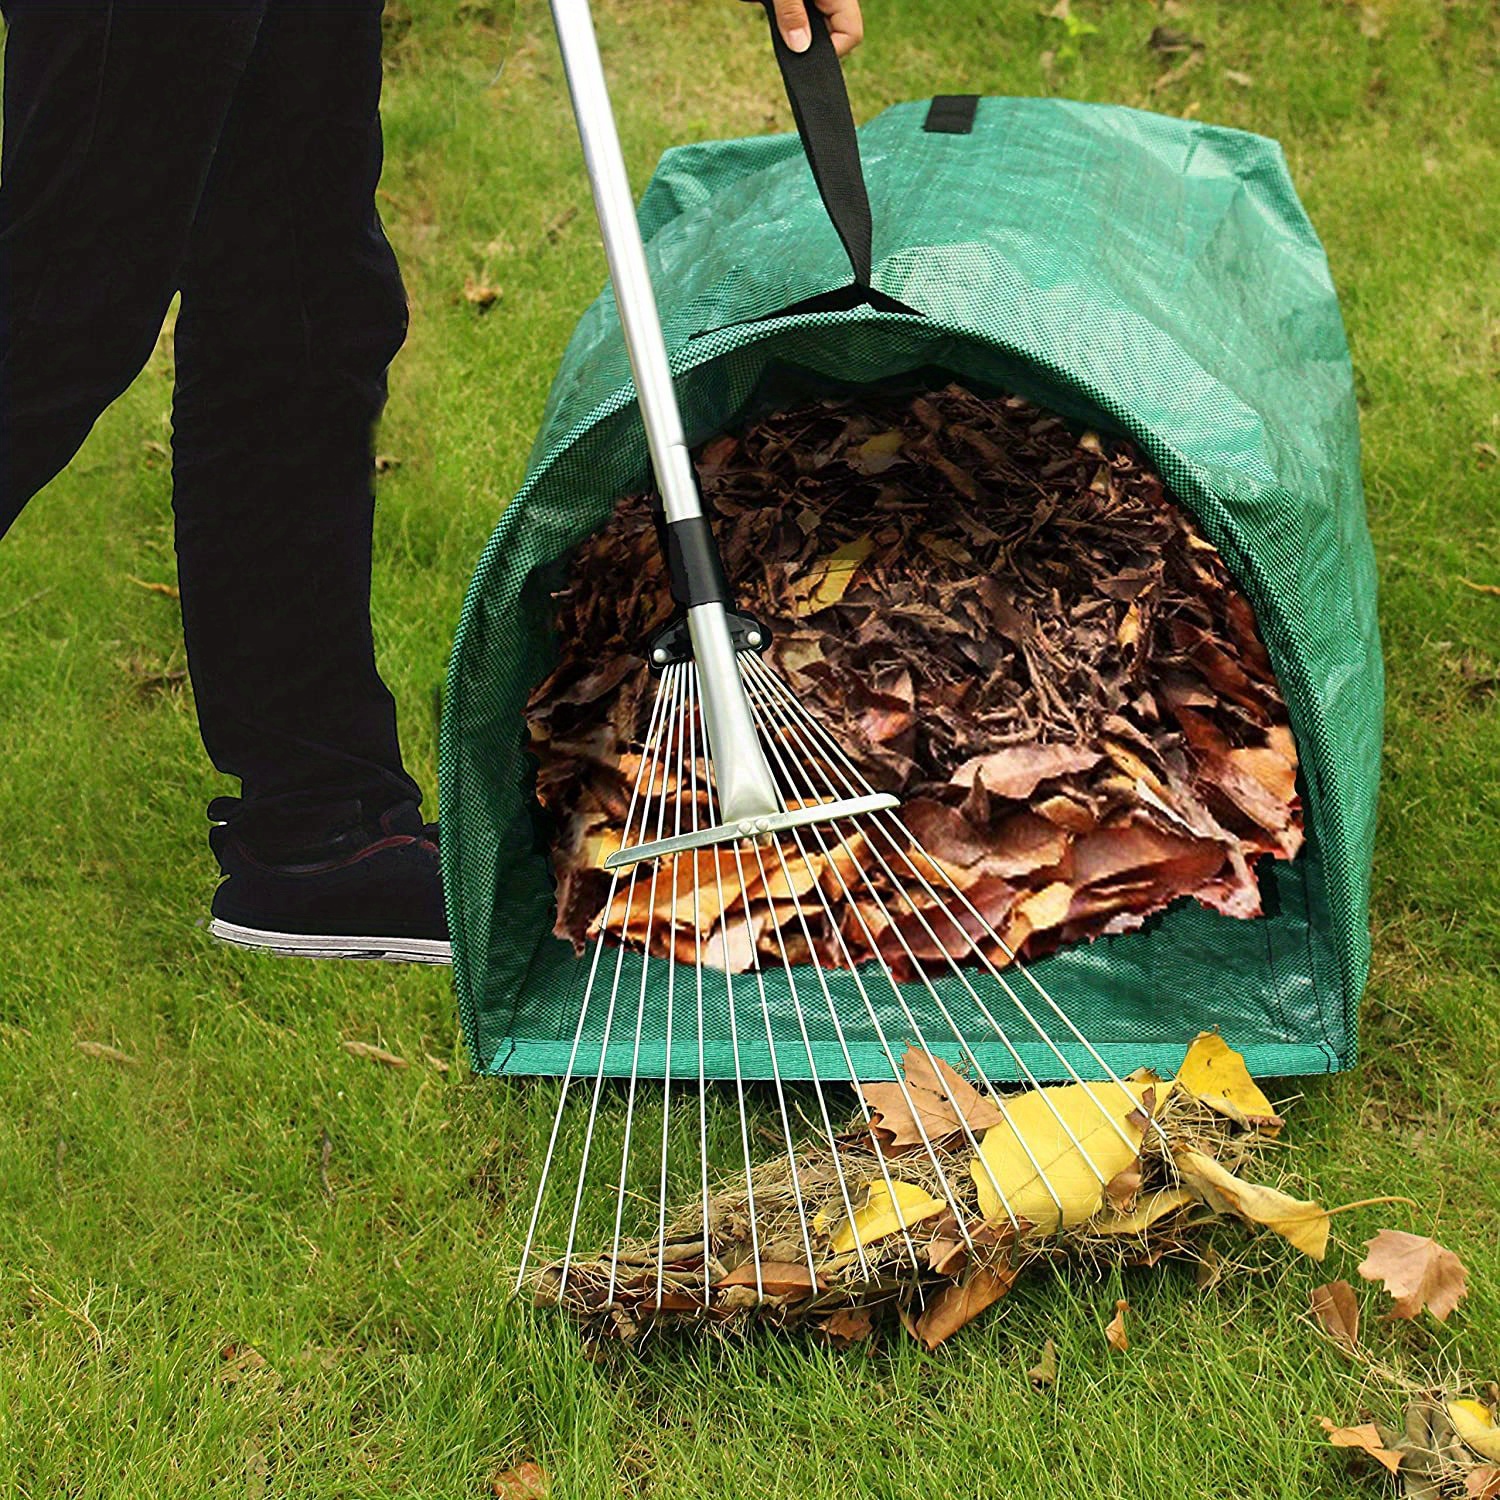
(229, 151)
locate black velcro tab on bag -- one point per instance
(952, 114)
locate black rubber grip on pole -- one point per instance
(820, 105)
(694, 568)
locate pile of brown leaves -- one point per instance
(1010, 627)
(1446, 1448)
(935, 1239)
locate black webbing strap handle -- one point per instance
(820, 105)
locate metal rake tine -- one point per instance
(786, 1124)
(739, 1077)
(609, 1016)
(674, 724)
(635, 794)
(817, 1081)
(698, 983)
(888, 819)
(685, 724)
(911, 1019)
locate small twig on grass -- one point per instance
(25, 603)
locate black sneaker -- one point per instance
(373, 891)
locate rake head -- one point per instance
(836, 951)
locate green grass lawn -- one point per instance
(247, 1262)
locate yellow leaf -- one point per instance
(882, 1215)
(1302, 1223)
(830, 576)
(1475, 1424)
(1152, 1207)
(1081, 1136)
(1216, 1076)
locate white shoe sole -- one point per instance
(308, 945)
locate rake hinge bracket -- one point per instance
(672, 643)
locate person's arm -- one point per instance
(845, 24)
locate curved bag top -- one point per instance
(1148, 276)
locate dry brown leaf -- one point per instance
(373, 1054)
(1417, 1271)
(991, 623)
(850, 1325)
(956, 1305)
(1337, 1309)
(106, 1053)
(944, 1102)
(1044, 1372)
(1483, 1483)
(778, 1278)
(527, 1481)
(1017, 770)
(1114, 1334)
(1366, 1439)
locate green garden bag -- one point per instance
(1146, 276)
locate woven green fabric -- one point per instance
(1147, 276)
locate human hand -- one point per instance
(845, 24)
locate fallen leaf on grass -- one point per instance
(1337, 1310)
(1146, 1212)
(943, 1101)
(480, 294)
(777, 1278)
(1216, 1076)
(106, 1053)
(1481, 588)
(962, 1303)
(1115, 1335)
(1475, 1424)
(1483, 1483)
(1067, 1141)
(1044, 1372)
(373, 1054)
(849, 1325)
(1168, 39)
(1366, 1438)
(1417, 1271)
(527, 1481)
(886, 1210)
(1303, 1224)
